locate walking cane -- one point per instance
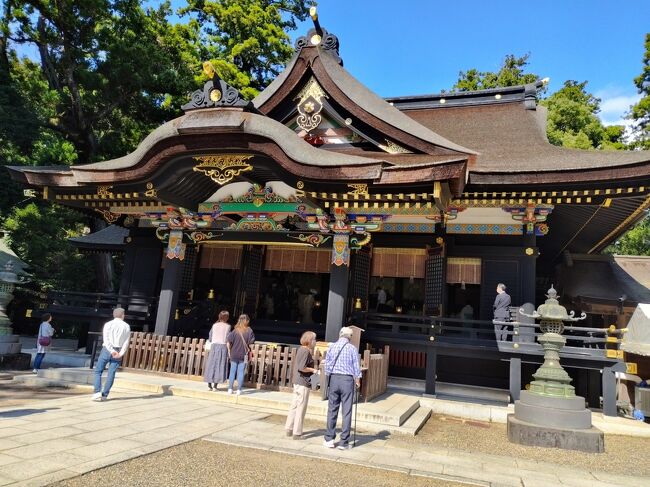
(356, 406)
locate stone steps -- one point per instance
(397, 413)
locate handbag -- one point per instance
(207, 345)
(43, 341)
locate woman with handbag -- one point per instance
(302, 370)
(238, 342)
(43, 341)
(217, 363)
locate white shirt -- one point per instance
(116, 335)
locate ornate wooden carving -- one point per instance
(216, 93)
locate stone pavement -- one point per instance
(378, 451)
(45, 441)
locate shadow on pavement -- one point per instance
(17, 413)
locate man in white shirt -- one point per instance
(116, 335)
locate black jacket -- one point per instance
(501, 307)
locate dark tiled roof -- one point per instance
(109, 238)
(363, 98)
(511, 138)
(602, 277)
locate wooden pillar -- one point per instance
(168, 296)
(528, 270)
(431, 370)
(338, 293)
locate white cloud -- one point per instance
(615, 104)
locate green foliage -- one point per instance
(511, 73)
(641, 111)
(635, 241)
(572, 111)
(247, 40)
(39, 235)
(573, 120)
(107, 73)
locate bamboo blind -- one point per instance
(292, 259)
(220, 257)
(463, 269)
(396, 262)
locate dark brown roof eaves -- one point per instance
(378, 107)
(109, 238)
(602, 277)
(512, 139)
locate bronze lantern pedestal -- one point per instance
(550, 414)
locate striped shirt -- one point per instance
(348, 361)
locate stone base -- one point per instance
(15, 361)
(590, 440)
(9, 344)
(553, 412)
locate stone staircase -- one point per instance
(395, 413)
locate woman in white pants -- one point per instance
(302, 370)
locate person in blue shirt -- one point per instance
(342, 367)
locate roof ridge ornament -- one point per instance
(216, 93)
(318, 36)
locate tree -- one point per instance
(247, 40)
(39, 235)
(108, 72)
(641, 111)
(511, 73)
(572, 111)
(635, 241)
(573, 121)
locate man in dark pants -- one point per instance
(342, 367)
(501, 311)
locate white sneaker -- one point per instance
(344, 446)
(329, 443)
(239, 392)
(98, 396)
(229, 391)
(35, 371)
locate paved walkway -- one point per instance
(45, 441)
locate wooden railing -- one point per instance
(100, 305)
(270, 368)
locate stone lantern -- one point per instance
(9, 343)
(550, 414)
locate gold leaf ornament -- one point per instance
(223, 168)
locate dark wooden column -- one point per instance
(338, 294)
(336, 304)
(528, 269)
(168, 296)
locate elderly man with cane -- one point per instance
(343, 378)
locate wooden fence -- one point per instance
(270, 368)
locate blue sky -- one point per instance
(419, 46)
(412, 47)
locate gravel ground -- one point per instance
(204, 463)
(623, 454)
